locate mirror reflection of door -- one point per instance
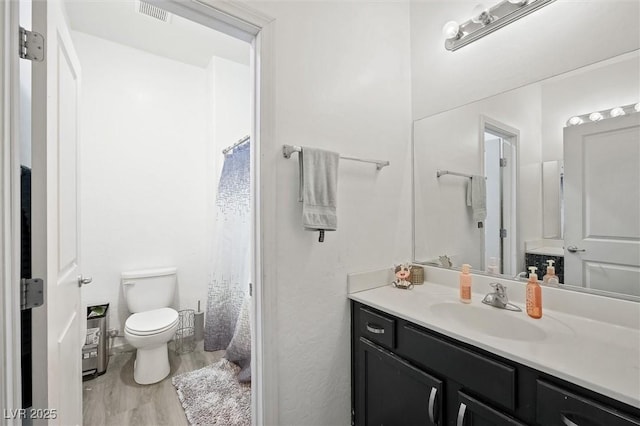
(500, 164)
(602, 205)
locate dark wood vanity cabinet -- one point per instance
(404, 374)
(395, 391)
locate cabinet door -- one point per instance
(472, 412)
(391, 392)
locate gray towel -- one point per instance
(477, 197)
(319, 189)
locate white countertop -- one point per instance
(547, 246)
(594, 354)
(549, 251)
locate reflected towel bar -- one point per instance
(448, 172)
(287, 150)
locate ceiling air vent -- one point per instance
(150, 10)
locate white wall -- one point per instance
(342, 83)
(229, 115)
(143, 170)
(452, 141)
(231, 91)
(561, 36)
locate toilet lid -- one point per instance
(151, 322)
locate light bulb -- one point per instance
(595, 116)
(574, 121)
(637, 107)
(616, 112)
(480, 15)
(451, 30)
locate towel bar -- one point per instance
(448, 172)
(287, 150)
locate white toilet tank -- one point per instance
(149, 289)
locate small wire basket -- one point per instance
(416, 275)
(185, 337)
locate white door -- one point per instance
(493, 223)
(602, 205)
(500, 170)
(59, 324)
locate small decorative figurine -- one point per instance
(403, 272)
(445, 261)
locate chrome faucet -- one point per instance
(522, 276)
(498, 298)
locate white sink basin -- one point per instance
(491, 321)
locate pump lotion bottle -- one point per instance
(534, 295)
(551, 272)
(465, 284)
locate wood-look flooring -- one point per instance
(116, 399)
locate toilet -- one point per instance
(148, 294)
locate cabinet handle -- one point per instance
(432, 404)
(461, 411)
(375, 329)
(566, 421)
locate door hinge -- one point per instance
(250, 289)
(503, 162)
(503, 233)
(31, 293)
(31, 45)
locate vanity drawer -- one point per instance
(377, 328)
(557, 406)
(475, 413)
(492, 380)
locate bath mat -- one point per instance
(213, 395)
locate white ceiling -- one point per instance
(178, 39)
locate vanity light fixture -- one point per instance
(604, 114)
(617, 112)
(451, 30)
(481, 15)
(574, 121)
(596, 116)
(487, 20)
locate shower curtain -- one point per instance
(230, 264)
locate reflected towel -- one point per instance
(477, 197)
(319, 188)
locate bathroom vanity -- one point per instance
(421, 357)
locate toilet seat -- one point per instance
(151, 322)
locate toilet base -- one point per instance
(151, 365)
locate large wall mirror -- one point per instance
(569, 194)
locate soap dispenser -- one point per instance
(493, 268)
(550, 277)
(465, 284)
(534, 295)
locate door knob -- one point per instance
(82, 280)
(574, 249)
